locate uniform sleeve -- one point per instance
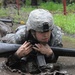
(51, 59)
(13, 61)
(17, 37)
(56, 41)
(57, 37)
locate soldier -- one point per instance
(38, 35)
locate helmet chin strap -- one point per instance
(34, 34)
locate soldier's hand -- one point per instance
(24, 50)
(44, 49)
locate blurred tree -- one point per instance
(4, 4)
(60, 1)
(44, 0)
(54, 0)
(34, 2)
(23, 2)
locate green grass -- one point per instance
(3, 12)
(52, 6)
(71, 7)
(67, 23)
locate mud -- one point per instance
(66, 63)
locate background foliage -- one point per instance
(66, 22)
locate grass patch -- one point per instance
(67, 23)
(71, 7)
(3, 12)
(52, 6)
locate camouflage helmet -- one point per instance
(40, 20)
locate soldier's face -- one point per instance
(43, 37)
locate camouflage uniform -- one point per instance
(37, 23)
(4, 29)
